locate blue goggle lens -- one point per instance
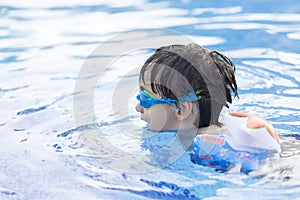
(146, 101)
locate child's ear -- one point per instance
(185, 110)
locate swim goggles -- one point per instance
(147, 100)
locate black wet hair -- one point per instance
(177, 70)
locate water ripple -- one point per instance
(14, 89)
(31, 110)
(11, 59)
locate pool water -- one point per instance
(53, 148)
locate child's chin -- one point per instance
(155, 129)
(145, 120)
(151, 128)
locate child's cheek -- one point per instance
(158, 116)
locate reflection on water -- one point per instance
(43, 46)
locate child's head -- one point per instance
(191, 85)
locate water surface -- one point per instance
(45, 44)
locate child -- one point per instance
(184, 88)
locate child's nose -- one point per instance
(139, 108)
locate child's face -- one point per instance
(160, 117)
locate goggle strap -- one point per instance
(170, 102)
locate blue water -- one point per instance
(53, 148)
